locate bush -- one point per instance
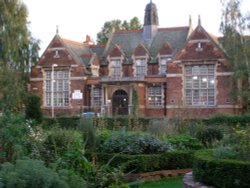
(183, 142)
(209, 136)
(133, 143)
(220, 173)
(14, 131)
(228, 120)
(147, 162)
(32, 173)
(33, 109)
(63, 122)
(66, 148)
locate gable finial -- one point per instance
(57, 30)
(190, 21)
(199, 20)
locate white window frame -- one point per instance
(96, 96)
(199, 85)
(60, 82)
(155, 95)
(115, 68)
(163, 61)
(140, 67)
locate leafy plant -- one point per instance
(33, 109)
(209, 136)
(32, 173)
(13, 137)
(133, 143)
(183, 142)
(66, 149)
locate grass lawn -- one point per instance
(164, 183)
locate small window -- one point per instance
(155, 95)
(140, 67)
(199, 47)
(56, 54)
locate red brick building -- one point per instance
(172, 70)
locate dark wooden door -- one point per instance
(120, 102)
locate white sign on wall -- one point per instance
(77, 95)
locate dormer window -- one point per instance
(140, 67)
(115, 68)
(163, 65)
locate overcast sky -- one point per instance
(78, 18)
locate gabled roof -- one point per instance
(210, 49)
(166, 49)
(129, 40)
(76, 49)
(81, 53)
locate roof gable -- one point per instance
(116, 51)
(166, 49)
(200, 46)
(129, 40)
(141, 50)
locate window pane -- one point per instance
(96, 96)
(200, 85)
(140, 67)
(188, 70)
(155, 95)
(203, 69)
(60, 88)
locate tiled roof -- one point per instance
(129, 40)
(76, 49)
(79, 50)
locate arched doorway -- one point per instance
(120, 102)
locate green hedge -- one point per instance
(147, 162)
(228, 119)
(112, 123)
(64, 122)
(132, 123)
(220, 172)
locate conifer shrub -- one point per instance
(33, 109)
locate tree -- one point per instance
(234, 26)
(33, 109)
(109, 26)
(18, 52)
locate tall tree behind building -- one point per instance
(102, 36)
(18, 52)
(235, 27)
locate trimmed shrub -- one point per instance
(147, 162)
(63, 122)
(221, 119)
(220, 173)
